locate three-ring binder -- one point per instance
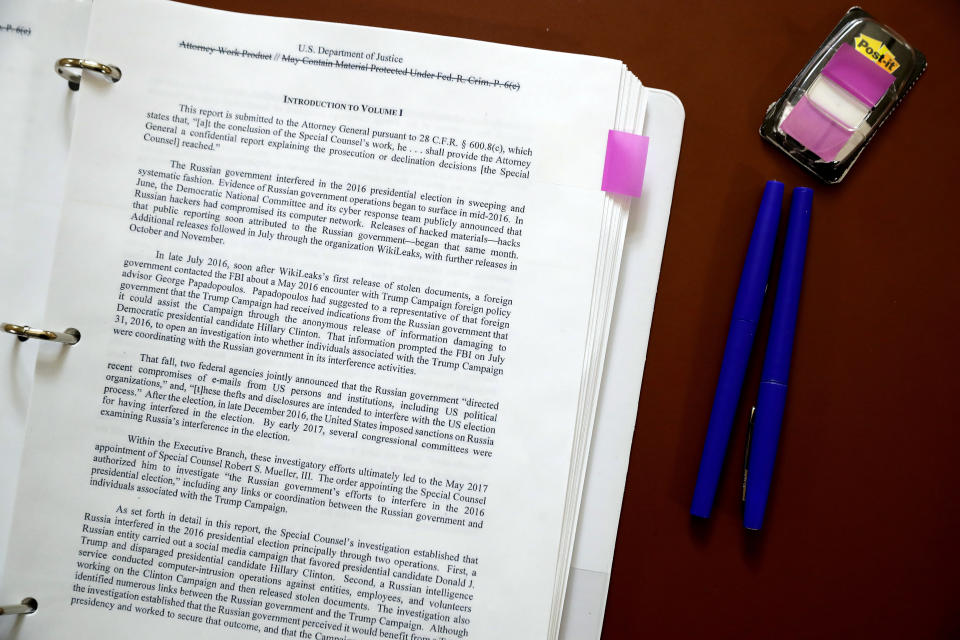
(72, 70)
(26, 607)
(67, 336)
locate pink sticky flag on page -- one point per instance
(625, 163)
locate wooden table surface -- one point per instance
(861, 533)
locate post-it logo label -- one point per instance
(876, 51)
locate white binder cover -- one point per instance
(626, 354)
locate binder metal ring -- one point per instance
(72, 69)
(26, 607)
(68, 336)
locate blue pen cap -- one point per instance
(784, 323)
(756, 268)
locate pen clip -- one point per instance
(746, 455)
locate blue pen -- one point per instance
(776, 364)
(743, 327)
